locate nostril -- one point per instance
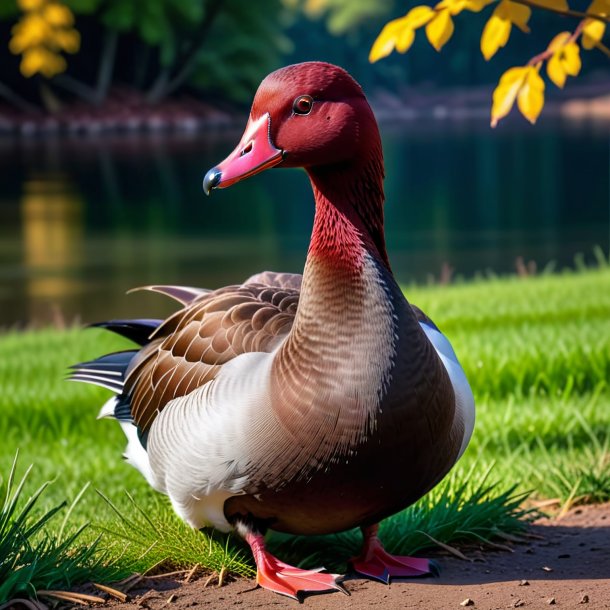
(246, 150)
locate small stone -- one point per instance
(524, 583)
(551, 601)
(547, 569)
(467, 602)
(584, 599)
(519, 603)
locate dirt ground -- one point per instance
(567, 567)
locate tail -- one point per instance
(110, 371)
(107, 371)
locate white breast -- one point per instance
(464, 400)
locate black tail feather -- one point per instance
(137, 331)
(107, 371)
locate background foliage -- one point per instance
(220, 49)
(521, 84)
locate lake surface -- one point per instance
(83, 219)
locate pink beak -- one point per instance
(254, 153)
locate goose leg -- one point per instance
(374, 561)
(273, 574)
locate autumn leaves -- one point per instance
(43, 32)
(522, 84)
(400, 33)
(497, 30)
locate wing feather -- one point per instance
(190, 347)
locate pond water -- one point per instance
(84, 219)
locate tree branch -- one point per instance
(568, 13)
(72, 85)
(549, 52)
(106, 68)
(183, 65)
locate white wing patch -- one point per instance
(200, 444)
(463, 394)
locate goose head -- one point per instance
(312, 115)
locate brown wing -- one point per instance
(191, 346)
(280, 280)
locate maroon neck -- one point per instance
(349, 212)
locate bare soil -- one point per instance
(566, 564)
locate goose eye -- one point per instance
(303, 104)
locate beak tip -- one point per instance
(211, 180)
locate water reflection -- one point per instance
(52, 224)
(82, 220)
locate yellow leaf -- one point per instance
(453, 6)
(386, 41)
(594, 29)
(440, 29)
(31, 61)
(565, 59)
(30, 5)
(495, 35)
(497, 29)
(570, 59)
(476, 6)
(519, 15)
(555, 71)
(599, 7)
(506, 92)
(32, 29)
(58, 15)
(560, 5)
(457, 6)
(592, 33)
(418, 16)
(531, 95)
(54, 65)
(39, 59)
(559, 41)
(18, 44)
(405, 40)
(67, 40)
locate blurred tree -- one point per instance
(245, 43)
(181, 41)
(342, 16)
(522, 84)
(154, 46)
(44, 30)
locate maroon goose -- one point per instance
(305, 404)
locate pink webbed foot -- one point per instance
(275, 575)
(375, 562)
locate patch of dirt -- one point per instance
(567, 565)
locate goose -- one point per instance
(305, 404)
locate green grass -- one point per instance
(537, 354)
(43, 552)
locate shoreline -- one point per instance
(125, 112)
